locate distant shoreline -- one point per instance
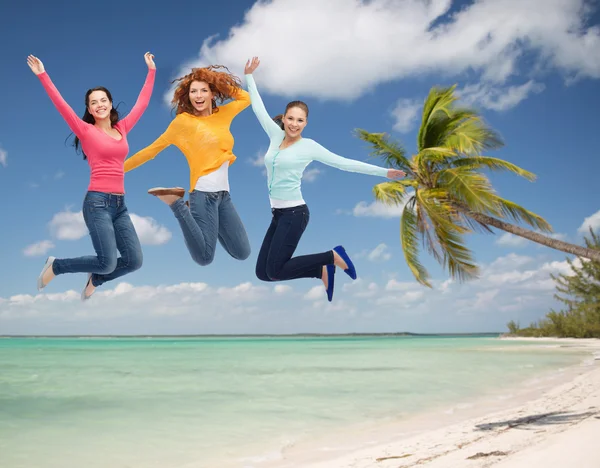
(283, 335)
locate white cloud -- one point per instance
(379, 253)
(510, 240)
(310, 175)
(3, 157)
(494, 97)
(315, 293)
(149, 231)
(413, 38)
(39, 248)
(406, 114)
(259, 159)
(59, 175)
(377, 210)
(592, 221)
(282, 289)
(69, 225)
(511, 287)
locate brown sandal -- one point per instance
(158, 191)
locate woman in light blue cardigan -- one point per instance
(287, 157)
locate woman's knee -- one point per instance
(135, 261)
(107, 264)
(261, 274)
(242, 254)
(203, 260)
(272, 272)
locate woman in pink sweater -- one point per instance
(102, 137)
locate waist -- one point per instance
(111, 199)
(290, 209)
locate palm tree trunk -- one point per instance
(556, 244)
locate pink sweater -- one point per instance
(105, 155)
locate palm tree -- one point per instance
(446, 195)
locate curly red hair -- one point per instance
(222, 84)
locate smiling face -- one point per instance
(201, 97)
(99, 105)
(294, 121)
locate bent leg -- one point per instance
(128, 245)
(98, 219)
(263, 254)
(199, 224)
(232, 233)
(280, 264)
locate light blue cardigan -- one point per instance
(285, 167)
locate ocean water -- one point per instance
(220, 402)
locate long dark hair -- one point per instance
(88, 118)
(278, 119)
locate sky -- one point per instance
(358, 64)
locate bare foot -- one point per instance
(325, 276)
(338, 261)
(90, 288)
(169, 199)
(48, 276)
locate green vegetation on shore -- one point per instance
(580, 293)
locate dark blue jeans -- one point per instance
(111, 229)
(275, 262)
(211, 216)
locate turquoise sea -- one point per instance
(216, 402)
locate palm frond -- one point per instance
(437, 104)
(390, 193)
(519, 214)
(392, 152)
(468, 134)
(494, 164)
(468, 187)
(409, 240)
(428, 160)
(457, 258)
(429, 240)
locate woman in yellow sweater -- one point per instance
(201, 131)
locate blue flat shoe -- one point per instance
(350, 271)
(330, 281)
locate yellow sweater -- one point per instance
(206, 142)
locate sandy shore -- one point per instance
(556, 429)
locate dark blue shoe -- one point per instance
(350, 271)
(330, 281)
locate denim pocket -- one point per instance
(96, 204)
(305, 218)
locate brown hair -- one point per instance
(279, 118)
(221, 83)
(89, 118)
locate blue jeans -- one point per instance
(111, 229)
(275, 262)
(211, 216)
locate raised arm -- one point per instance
(143, 99)
(77, 125)
(241, 100)
(149, 152)
(321, 154)
(258, 106)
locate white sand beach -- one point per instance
(554, 428)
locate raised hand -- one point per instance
(251, 65)
(149, 58)
(395, 174)
(35, 64)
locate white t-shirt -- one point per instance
(217, 181)
(286, 203)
